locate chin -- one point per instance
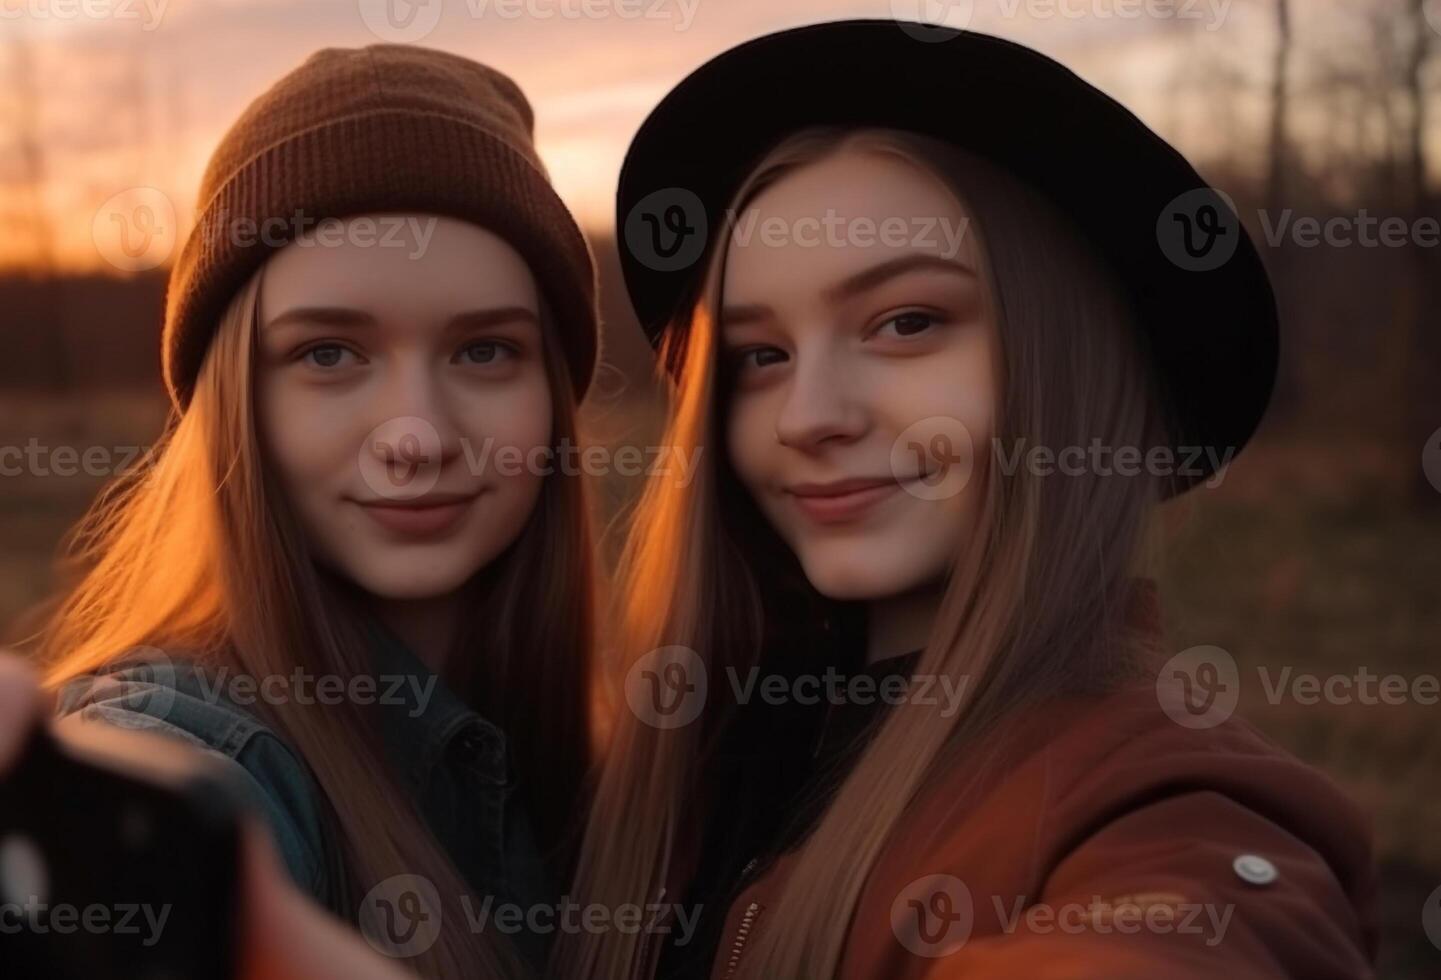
(859, 577)
(412, 578)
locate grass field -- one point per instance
(1325, 589)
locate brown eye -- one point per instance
(909, 324)
(757, 357)
(485, 352)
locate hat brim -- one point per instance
(1210, 317)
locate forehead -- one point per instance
(394, 265)
(827, 220)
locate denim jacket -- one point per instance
(455, 764)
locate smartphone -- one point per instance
(121, 862)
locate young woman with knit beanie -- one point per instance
(346, 568)
(894, 661)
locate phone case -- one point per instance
(105, 874)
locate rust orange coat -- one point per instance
(1109, 844)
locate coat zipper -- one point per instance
(738, 945)
(747, 920)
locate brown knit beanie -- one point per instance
(389, 127)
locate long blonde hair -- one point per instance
(197, 551)
(703, 570)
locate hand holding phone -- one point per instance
(118, 859)
(102, 816)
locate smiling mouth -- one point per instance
(429, 516)
(842, 501)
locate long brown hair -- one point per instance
(1036, 598)
(197, 551)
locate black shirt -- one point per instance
(771, 775)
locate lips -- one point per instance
(842, 501)
(428, 516)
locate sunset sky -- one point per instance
(137, 93)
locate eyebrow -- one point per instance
(341, 316)
(857, 283)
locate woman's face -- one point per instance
(863, 357)
(389, 376)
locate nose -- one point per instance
(821, 406)
(416, 426)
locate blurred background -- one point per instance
(1320, 550)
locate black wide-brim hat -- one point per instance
(1196, 283)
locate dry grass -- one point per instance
(1326, 582)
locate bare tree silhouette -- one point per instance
(33, 180)
(1421, 327)
(1280, 71)
(30, 152)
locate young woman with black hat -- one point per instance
(950, 324)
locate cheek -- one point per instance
(519, 416)
(304, 440)
(312, 447)
(750, 439)
(952, 394)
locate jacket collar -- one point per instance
(423, 719)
